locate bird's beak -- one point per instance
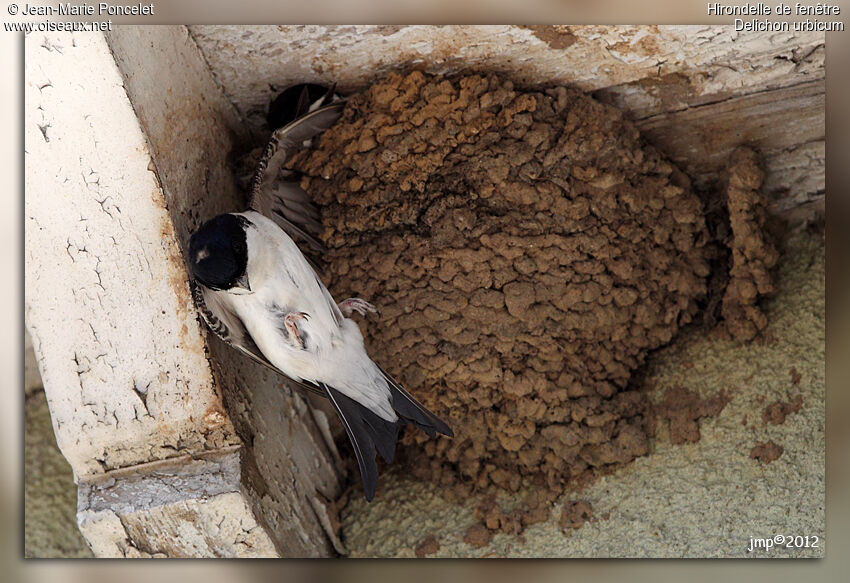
(243, 285)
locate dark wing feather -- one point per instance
(367, 432)
(227, 326)
(303, 105)
(412, 411)
(285, 107)
(285, 202)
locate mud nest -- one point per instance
(753, 253)
(526, 250)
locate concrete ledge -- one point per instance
(185, 507)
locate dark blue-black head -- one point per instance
(218, 253)
(295, 101)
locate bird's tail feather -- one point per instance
(412, 411)
(367, 432)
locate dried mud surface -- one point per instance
(428, 546)
(753, 255)
(575, 514)
(767, 452)
(526, 252)
(776, 412)
(478, 536)
(534, 509)
(684, 408)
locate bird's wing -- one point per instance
(227, 326)
(328, 298)
(285, 202)
(305, 104)
(367, 432)
(311, 96)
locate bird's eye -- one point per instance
(201, 255)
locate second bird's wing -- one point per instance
(227, 326)
(285, 202)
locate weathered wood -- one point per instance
(786, 125)
(671, 79)
(650, 69)
(108, 305)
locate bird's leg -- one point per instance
(351, 305)
(290, 321)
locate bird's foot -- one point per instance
(290, 321)
(351, 305)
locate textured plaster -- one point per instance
(50, 502)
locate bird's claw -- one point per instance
(290, 321)
(351, 305)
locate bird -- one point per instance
(298, 100)
(290, 104)
(257, 291)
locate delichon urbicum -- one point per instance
(257, 291)
(298, 100)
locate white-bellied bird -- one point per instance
(258, 293)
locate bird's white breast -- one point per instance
(282, 281)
